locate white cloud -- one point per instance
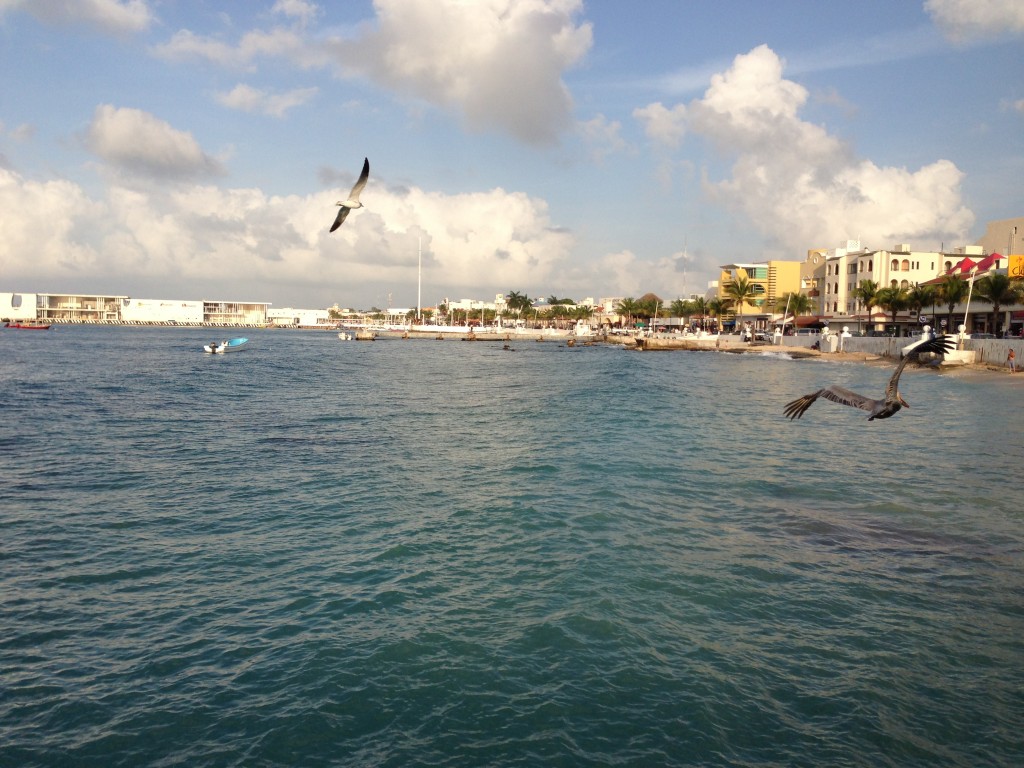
(966, 20)
(248, 99)
(803, 187)
(39, 228)
(136, 141)
(304, 11)
(663, 126)
(497, 62)
(179, 239)
(604, 137)
(110, 16)
(285, 43)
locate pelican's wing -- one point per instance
(798, 407)
(836, 394)
(342, 213)
(843, 396)
(940, 345)
(361, 181)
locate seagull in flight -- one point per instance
(879, 409)
(353, 196)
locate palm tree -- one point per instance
(922, 296)
(716, 307)
(518, 301)
(797, 303)
(739, 291)
(998, 290)
(679, 308)
(893, 299)
(952, 291)
(628, 307)
(866, 293)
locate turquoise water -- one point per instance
(431, 553)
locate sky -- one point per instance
(191, 149)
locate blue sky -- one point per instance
(187, 149)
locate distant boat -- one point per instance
(346, 335)
(29, 325)
(219, 348)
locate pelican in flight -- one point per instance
(353, 196)
(879, 409)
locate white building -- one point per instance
(288, 316)
(847, 266)
(161, 311)
(18, 306)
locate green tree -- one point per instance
(679, 308)
(700, 307)
(518, 302)
(952, 291)
(628, 307)
(892, 299)
(717, 308)
(797, 303)
(922, 296)
(998, 290)
(866, 293)
(739, 292)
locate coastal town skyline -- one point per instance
(561, 147)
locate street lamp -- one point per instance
(970, 289)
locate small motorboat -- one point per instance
(29, 325)
(346, 336)
(222, 347)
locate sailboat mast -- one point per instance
(419, 280)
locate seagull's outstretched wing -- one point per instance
(353, 197)
(340, 218)
(361, 181)
(836, 394)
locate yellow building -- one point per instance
(770, 280)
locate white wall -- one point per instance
(162, 311)
(18, 306)
(290, 316)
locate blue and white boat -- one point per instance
(219, 348)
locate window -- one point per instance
(894, 266)
(871, 267)
(905, 266)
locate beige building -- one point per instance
(1004, 236)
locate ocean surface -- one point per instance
(427, 553)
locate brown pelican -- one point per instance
(353, 196)
(879, 409)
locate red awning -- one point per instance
(811, 321)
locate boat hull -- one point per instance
(232, 345)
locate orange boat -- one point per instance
(29, 325)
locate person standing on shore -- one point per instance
(1011, 361)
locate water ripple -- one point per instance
(401, 554)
